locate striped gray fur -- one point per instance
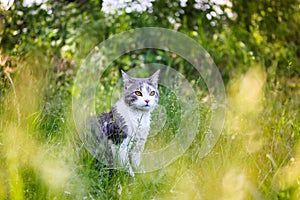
(108, 125)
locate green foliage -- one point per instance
(235, 40)
(42, 46)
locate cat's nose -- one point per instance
(147, 101)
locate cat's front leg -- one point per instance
(123, 156)
(135, 159)
(136, 153)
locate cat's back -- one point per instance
(109, 126)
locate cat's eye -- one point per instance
(138, 93)
(152, 93)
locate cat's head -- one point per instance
(141, 93)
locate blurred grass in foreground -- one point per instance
(32, 165)
(257, 156)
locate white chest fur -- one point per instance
(138, 125)
(138, 122)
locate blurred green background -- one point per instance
(255, 45)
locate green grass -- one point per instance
(256, 157)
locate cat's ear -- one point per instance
(126, 79)
(154, 78)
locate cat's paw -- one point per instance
(130, 170)
(131, 173)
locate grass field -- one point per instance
(256, 157)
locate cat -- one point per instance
(125, 128)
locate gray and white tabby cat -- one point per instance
(126, 126)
